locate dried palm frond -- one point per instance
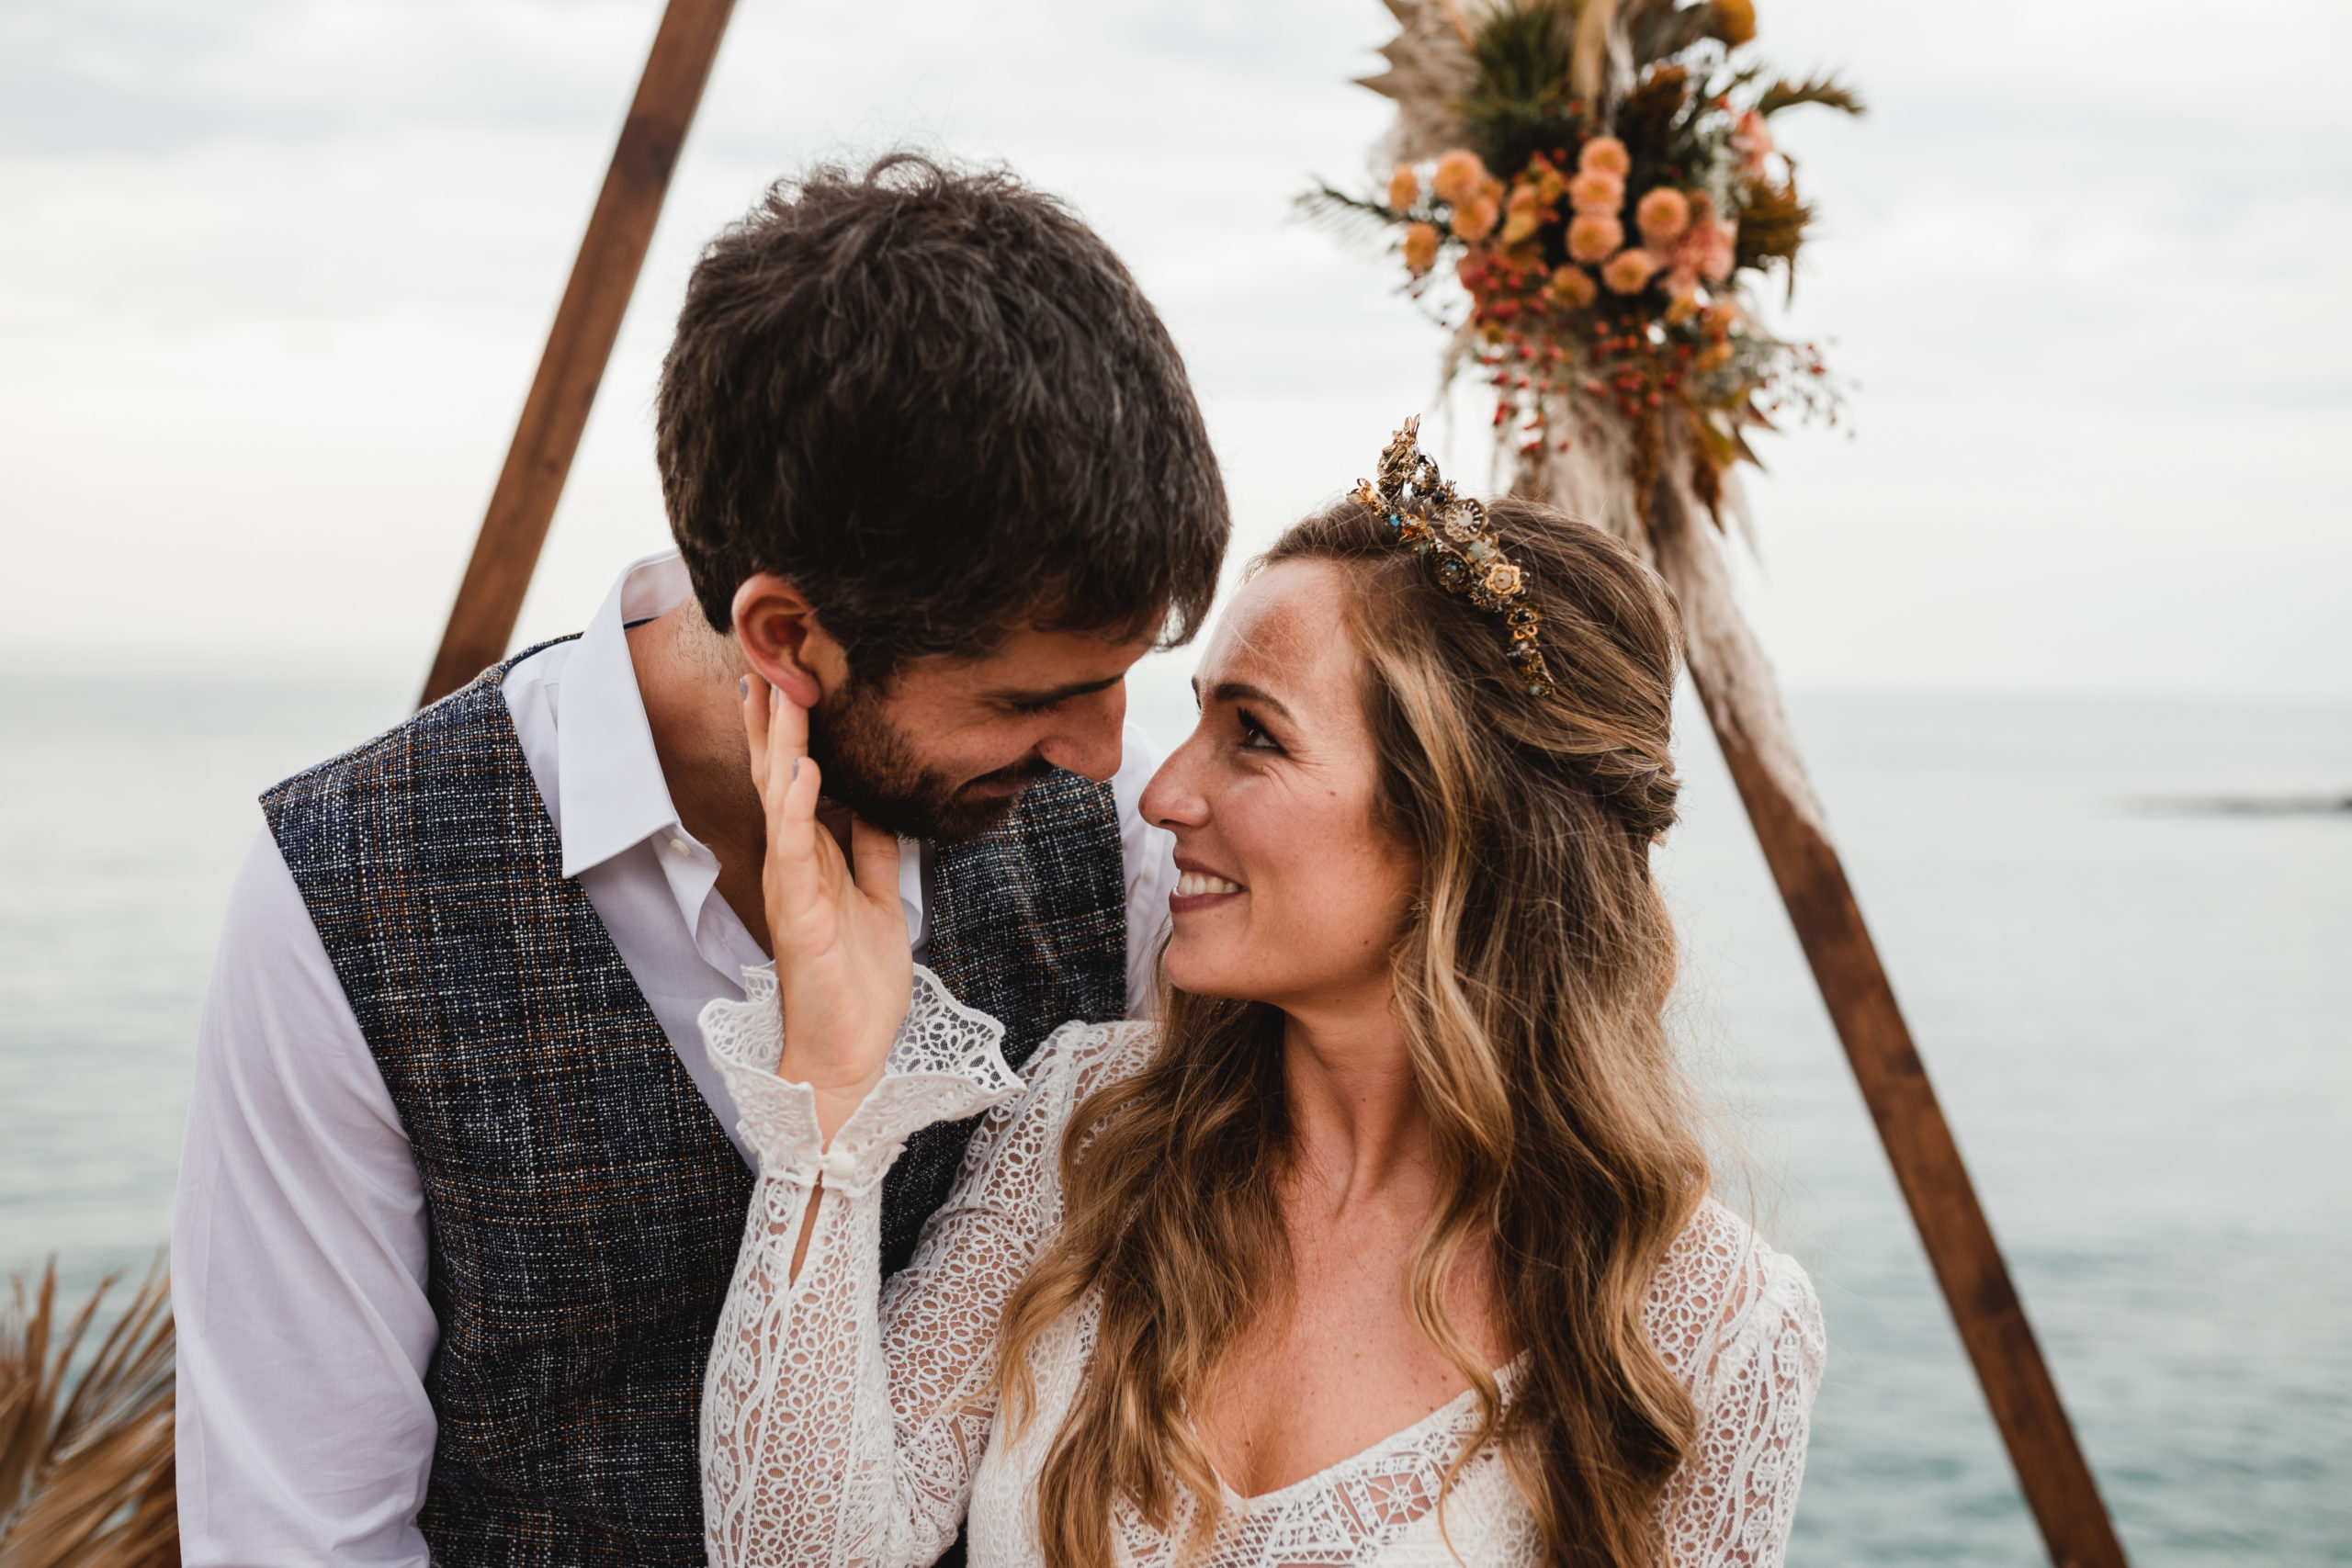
(86, 1455)
(1826, 91)
(1520, 103)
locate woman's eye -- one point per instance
(1254, 734)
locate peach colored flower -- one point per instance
(1606, 155)
(1662, 216)
(1593, 191)
(1752, 140)
(1420, 247)
(1475, 219)
(1629, 271)
(1404, 189)
(1523, 214)
(1592, 237)
(1572, 287)
(1459, 176)
(1706, 248)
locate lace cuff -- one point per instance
(946, 1064)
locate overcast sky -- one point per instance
(273, 277)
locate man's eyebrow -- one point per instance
(1242, 691)
(1049, 695)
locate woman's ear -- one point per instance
(778, 630)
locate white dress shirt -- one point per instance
(299, 1242)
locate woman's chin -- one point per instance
(1200, 973)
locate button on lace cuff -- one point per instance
(946, 1064)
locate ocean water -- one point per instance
(2137, 1007)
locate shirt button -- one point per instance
(682, 847)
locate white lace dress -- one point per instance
(850, 1426)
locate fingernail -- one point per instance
(743, 684)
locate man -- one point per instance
(458, 1203)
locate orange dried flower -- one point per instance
(1572, 287)
(1629, 271)
(1523, 214)
(1459, 176)
(1420, 247)
(1662, 216)
(1606, 155)
(1736, 21)
(1593, 237)
(1404, 189)
(1595, 191)
(1475, 219)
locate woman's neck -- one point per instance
(1358, 1128)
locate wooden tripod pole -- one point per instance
(580, 343)
(1734, 685)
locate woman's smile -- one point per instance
(1197, 888)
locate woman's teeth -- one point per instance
(1192, 883)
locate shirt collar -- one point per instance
(614, 796)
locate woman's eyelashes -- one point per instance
(1254, 737)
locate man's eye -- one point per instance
(1031, 709)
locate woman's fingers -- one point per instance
(755, 728)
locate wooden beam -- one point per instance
(578, 345)
(1742, 706)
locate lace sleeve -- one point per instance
(840, 1429)
(1740, 1325)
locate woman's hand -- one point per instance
(842, 965)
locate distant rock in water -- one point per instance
(2253, 805)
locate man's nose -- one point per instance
(1088, 741)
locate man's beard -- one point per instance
(870, 766)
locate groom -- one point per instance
(459, 1203)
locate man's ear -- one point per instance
(778, 630)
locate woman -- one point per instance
(1391, 1244)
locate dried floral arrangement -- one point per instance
(1600, 178)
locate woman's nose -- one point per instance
(1169, 800)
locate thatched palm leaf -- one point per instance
(85, 1455)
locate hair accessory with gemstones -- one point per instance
(1452, 533)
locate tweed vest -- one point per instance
(584, 1204)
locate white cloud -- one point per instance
(275, 275)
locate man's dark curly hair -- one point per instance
(938, 403)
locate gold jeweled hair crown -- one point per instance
(1453, 535)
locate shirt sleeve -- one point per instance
(1148, 856)
(297, 1265)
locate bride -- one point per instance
(1391, 1242)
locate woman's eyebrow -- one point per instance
(1242, 691)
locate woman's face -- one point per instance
(1290, 894)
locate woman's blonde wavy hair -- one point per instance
(1530, 982)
